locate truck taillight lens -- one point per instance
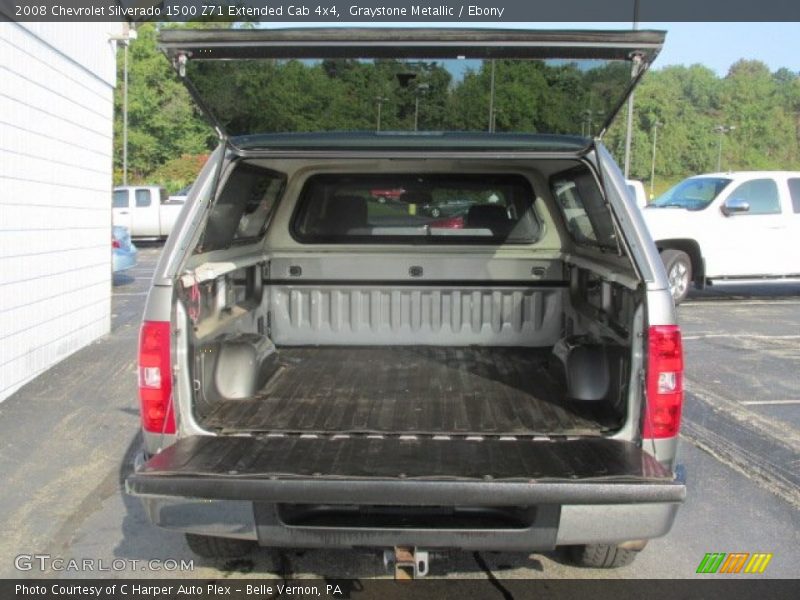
(155, 381)
(662, 417)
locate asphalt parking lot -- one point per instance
(743, 382)
(69, 436)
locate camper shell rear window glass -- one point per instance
(408, 208)
(241, 212)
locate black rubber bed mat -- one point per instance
(419, 390)
(391, 470)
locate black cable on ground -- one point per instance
(491, 577)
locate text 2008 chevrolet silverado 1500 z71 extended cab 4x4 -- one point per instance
(321, 369)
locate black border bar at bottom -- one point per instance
(480, 587)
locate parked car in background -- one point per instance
(123, 252)
(728, 227)
(636, 188)
(384, 195)
(446, 208)
(145, 210)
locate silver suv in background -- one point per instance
(320, 368)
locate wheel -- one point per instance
(218, 547)
(679, 273)
(436, 212)
(601, 556)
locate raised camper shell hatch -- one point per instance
(614, 61)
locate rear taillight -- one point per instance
(114, 243)
(155, 381)
(662, 416)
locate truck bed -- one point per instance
(419, 390)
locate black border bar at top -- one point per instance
(447, 11)
(383, 42)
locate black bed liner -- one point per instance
(415, 390)
(422, 471)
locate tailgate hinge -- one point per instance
(638, 64)
(179, 62)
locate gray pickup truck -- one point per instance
(318, 368)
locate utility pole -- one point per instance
(128, 34)
(491, 99)
(629, 130)
(628, 137)
(125, 118)
(380, 100)
(420, 88)
(656, 125)
(586, 123)
(722, 130)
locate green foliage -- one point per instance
(690, 102)
(162, 120)
(167, 133)
(179, 172)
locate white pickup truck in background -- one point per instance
(738, 227)
(146, 211)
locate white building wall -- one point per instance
(56, 125)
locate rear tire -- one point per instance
(217, 547)
(679, 273)
(601, 556)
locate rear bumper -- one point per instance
(568, 524)
(607, 492)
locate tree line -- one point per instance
(684, 106)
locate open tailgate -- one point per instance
(422, 471)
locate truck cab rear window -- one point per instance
(408, 208)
